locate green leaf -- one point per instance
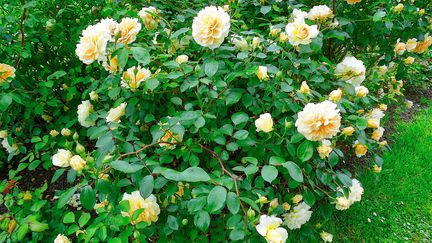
(196, 204)
(251, 203)
(233, 202)
(239, 117)
(191, 174)
(88, 197)
(85, 217)
(202, 220)
(146, 186)
(122, 57)
(275, 160)
(211, 67)
(237, 235)
(362, 123)
(378, 16)
(69, 218)
(265, 9)
(269, 173)
(65, 196)
(125, 167)
(141, 55)
(216, 199)
(56, 75)
(241, 134)
(294, 171)
(346, 180)
(5, 102)
(305, 150)
(172, 222)
(309, 197)
(233, 96)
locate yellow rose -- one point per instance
(150, 206)
(169, 137)
(421, 12)
(335, 95)
(211, 26)
(383, 107)
(411, 44)
(54, 133)
(342, 203)
(264, 123)
(6, 72)
(149, 17)
(326, 237)
(304, 88)
(129, 29)
(409, 60)
(62, 158)
(383, 143)
(297, 198)
(3, 134)
(274, 31)
(274, 203)
(66, 132)
(93, 96)
(112, 65)
(353, 1)
(376, 169)
(319, 121)
(320, 13)
(115, 114)
(324, 149)
(61, 239)
(400, 48)
(27, 196)
(283, 37)
(262, 73)
(301, 33)
(378, 133)
(348, 131)
(286, 206)
(423, 45)
(134, 76)
(361, 91)
(399, 8)
(77, 163)
(373, 123)
(255, 42)
(360, 149)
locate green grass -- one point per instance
(398, 201)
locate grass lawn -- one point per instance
(397, 203)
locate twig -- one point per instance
(144, 148)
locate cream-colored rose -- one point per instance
(360, 149)
(298, 14)
(77, 163)
(134, 76)
(319, 121)
(150, 206)
(6, 72)
(268, 227)
(351, 70)
(93, 42)
(400, 48)
(377, 134)
(411, 44)
(10, 148)
(297, 198)
(62, 158)
(423, 45)
(129, 29)
(286, 206)
(115, 114)
(239, 42)
(66, 132)
(409, 60)
(274, 203)
(324, 149)
(376, 168)
(326, 237)
(361, 91)
(61, 239)
(149, 17)
(304, 88)
(283, 37)
(351, 2)
(210, 27)
(320, 13)
(383, 143)
(335, 95)
(182, 59)
(342, 203)
(383, 107)
(399, 8)
(301, 33)
(264, 123)
(382, 69)
(348, 131)
(111, 65)
(112, 27)
(84, 110)
(94, 96)
(373, 123)
(3, 134)
(262, 73)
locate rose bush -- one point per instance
(180, 121)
